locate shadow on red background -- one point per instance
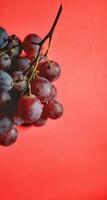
(67, 159)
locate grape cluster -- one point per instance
(27, 93)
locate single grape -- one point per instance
(19, 80)
(22, 63)
(42, 120)
(5, 62)
(54, 93)
(6, 81)
(50, 70)
(31, 49)
(42, 88)
(5, 125)
(29, 108)
(5, 98)
(54, 109)
(9, 137)
(3, 37)
(16, 51)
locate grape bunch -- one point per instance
(27, 93)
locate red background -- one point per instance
(66, 159)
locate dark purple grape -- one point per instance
(19, 80)
(42, 88)
(54, 110)
(29, 108)
(6, 81)
(5, 62)
(50, 70)
(14, 41)
(31, 49)
(3, 37)
(4, 99)
(5, 125)
(22, 64)
(9, 137)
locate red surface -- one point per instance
(67, 159)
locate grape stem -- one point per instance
(48, 36)
(36, 60)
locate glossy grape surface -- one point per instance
(42, 88)
(30, 48)
(9, 137)
(51, 70)
(54, 110)
(6, 81)
(29, 108)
